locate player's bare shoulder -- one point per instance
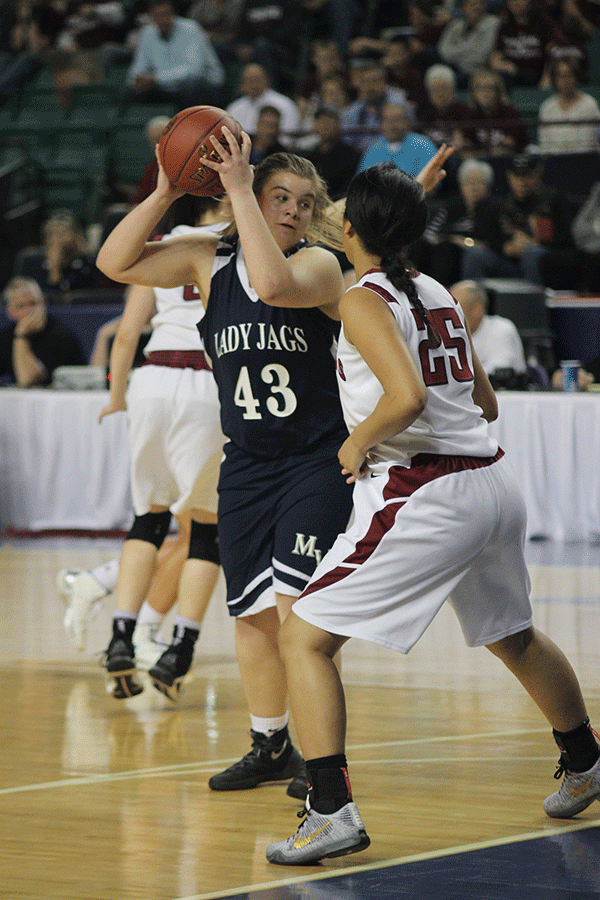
(322, 268)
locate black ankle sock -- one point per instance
(329, 785)
(123, 627)
(184, 635)
(578, 748)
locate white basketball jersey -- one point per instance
(450, 423)
(179, 309)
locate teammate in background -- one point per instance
(417, 403)
(176, 446)
(282, 500)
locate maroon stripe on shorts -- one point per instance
(402, 483)
(426, 467)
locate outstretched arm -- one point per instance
(139, 308)
(129, 257)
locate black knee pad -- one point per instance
(151, 527)
(204, 543)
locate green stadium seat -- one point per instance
(94, 105)
(39, 108)
(527, 101)
(75, 190)
(139, 114)
(130, 153)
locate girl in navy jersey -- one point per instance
(282, 499)
(437, 512)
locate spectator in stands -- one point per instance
(174, 62)
(335, 92)
(36, 31)
(361, 120)
(71, 68)
(220, 19)
(326, 63)
(467, 42)
(265, 139)
(67, 264)
(334, 159)
(577, 267)
(496, 340)
(586, 234)
(405, 148)
(459, 222)
(575, 49)
(270, 34)
(90, 26)
(525, 40)
(586, 12)
(35, 344)
(257, 92)
(533, 220)
(401, 70)
(443, 116)
(147, 182)
(572, 116)
(339, 20)
(427, 18)
(495, 126)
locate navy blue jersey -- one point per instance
(274, 367)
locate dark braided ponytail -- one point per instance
(388, 211)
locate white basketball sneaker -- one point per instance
(577, 791)
(322, 837)
(148, 650)
(82, 595)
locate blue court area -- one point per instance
(565, 865)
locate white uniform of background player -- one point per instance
(175, 432)
(386, 578)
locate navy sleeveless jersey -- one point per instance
(274, 367)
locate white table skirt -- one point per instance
(61, 470)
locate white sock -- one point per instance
(149, 616)
(269, 726)
(107, 574)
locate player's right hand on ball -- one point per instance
(163, 185)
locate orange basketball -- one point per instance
(185, 142)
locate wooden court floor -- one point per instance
(108, 800)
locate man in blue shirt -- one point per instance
(408, 150)
(174, 62)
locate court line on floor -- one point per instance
(399, 861)
(216, 764)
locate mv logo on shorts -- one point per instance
(307, 546)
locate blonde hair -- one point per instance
(325, 227)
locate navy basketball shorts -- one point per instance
(277, 519)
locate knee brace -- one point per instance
(204, 543)
(151, 527)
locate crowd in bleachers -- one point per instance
(86, 87)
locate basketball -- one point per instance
(185, 142)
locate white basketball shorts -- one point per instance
(437, 530)
(175, 438)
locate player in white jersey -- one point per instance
(437, 513)
(176, 446)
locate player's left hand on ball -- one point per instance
(233, 164)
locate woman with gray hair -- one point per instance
(443, 116)
(457, 224)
